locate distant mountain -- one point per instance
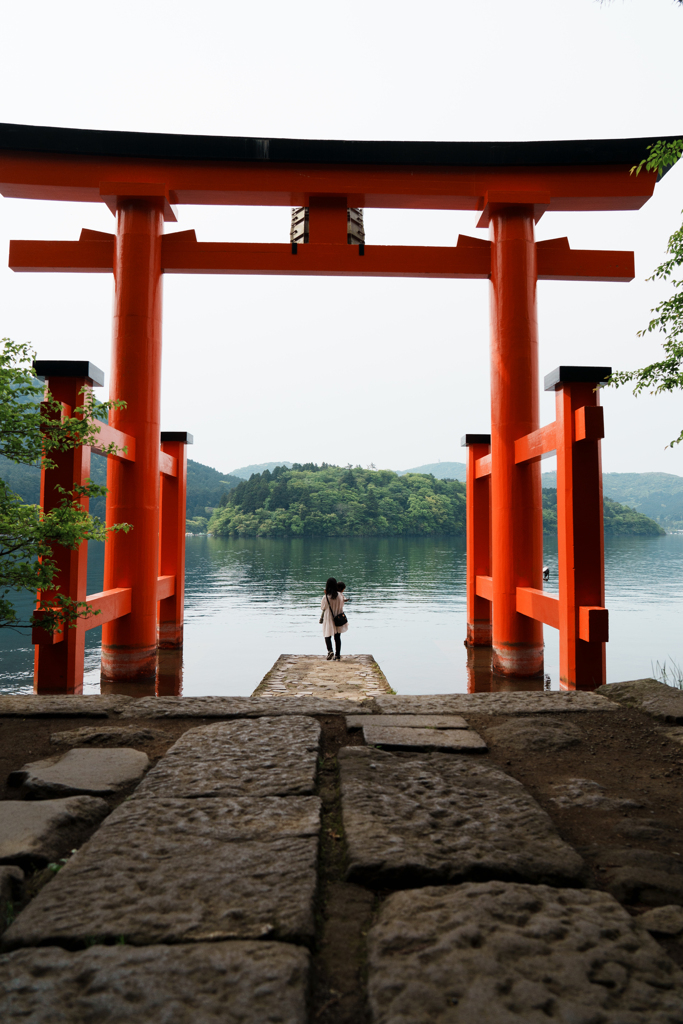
(441, 470)
(657, 495)
(205, 486)
(244, 472)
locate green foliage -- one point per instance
(667, 373)
(206, 487)
(197, 525)
(33, 429)
(330, 501)
(619, 520)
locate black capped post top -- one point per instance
(468, 439)
(177, 435)
(576, 375)
(82, 368)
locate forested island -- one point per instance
(332, 501)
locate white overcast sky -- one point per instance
(365, 371)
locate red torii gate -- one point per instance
(143, 177)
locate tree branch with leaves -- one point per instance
(33, 429)
(665, 374)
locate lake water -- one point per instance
(250, 600)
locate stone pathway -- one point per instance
(356, 677)
(309, 858)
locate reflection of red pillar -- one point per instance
(58, 667)
(516, 517)
(478, 541)
(580, 538)
(131, 560)
(172, 540)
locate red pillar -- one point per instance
(580, 537)
(172, 540)
(516, 517)
(129, 644)
(478, 540)
(58, 667)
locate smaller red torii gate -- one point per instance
(142, 178)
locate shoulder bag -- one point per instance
(339, 620)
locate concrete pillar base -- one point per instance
(518, 660)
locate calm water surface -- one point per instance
(248, 601)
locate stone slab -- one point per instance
(412, 819)
(589, 794)
(169, 871)
(502, 953)
(535, 733)
(106, 736)
(38, 832)
(457, 740)
(41, 705)
(209, 983)
(525, 703)
(237, 707)
(663, 920)
(637, 876)
(355, 678)
(654, 698)
(92, 772)
(408, 721)
(263, 757)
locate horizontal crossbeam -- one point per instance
(110, 435)
(165, 587)
(535, 445)
(168, 465)
(482, 467)
(484, 587)
(181, 253)
(539, 605)
(105, 606)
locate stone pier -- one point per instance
(327, 852)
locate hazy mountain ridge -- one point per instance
(657, 495)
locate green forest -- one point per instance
(620, 520)
(331, 501)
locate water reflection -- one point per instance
(250, 600)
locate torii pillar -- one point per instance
(129, 644)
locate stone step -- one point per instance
(416, 819)
(455, 740)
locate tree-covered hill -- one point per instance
(657, 495)
(205, 486)
(330, 501)
(619, 520)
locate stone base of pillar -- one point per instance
(128, 664)
(518, 660)
(169, 635)
(479, 633)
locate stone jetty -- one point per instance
(328, 852)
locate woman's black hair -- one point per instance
(331, 587)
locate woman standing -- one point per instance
(332, 604)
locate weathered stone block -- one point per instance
(106, 736)
(532, 734)
(236, 707)
(92, 772)
(407, 721)
(40, 832)
(173, 870)
(416, 818)
(663, 920)
(639, 876)
(527, 703)
(586, 793)
(209, 983)
(502, 953)
(40, 705)
(263, 757)
(457, 740)
(648, 695)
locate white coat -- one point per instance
(337, 603)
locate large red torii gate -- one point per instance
(143, 177)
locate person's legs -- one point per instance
(328, 644)
(337, 645)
